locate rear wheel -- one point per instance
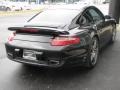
(21, 8)
(93, 53)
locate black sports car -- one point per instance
(60, 36)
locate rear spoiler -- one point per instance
(41, 30)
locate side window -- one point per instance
(96, 15)
(85, 20)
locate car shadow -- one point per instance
(60, 77)
(54, 72)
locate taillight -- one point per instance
(11, 37)
(63, 41)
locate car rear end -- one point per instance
(43, 47)
(15, 6)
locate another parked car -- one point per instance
(9, 6)
(106, 2)
(24, 5)
(84, 2)
(66, 35)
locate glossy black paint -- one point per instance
(57, 56)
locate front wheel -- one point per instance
(8, 9)
(93, 53)
(113, 37)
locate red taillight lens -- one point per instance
(63, 41)
(10, 38)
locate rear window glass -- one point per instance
(55, 16)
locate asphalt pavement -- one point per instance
(16, 76)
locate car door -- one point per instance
(103, 27)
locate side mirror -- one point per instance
(107, 17)
(104, 2)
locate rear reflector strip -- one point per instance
(11, 37)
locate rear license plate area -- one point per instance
(31, 55)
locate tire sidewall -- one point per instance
(8, 9)
(113, 31)
(89, 63)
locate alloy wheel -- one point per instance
(94, 52)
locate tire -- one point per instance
(8, 9)
(21, 9)
(113, 37)
(93, 54)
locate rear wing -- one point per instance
(40, 30)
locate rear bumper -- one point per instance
(49, 58)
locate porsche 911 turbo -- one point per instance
(62, 36)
